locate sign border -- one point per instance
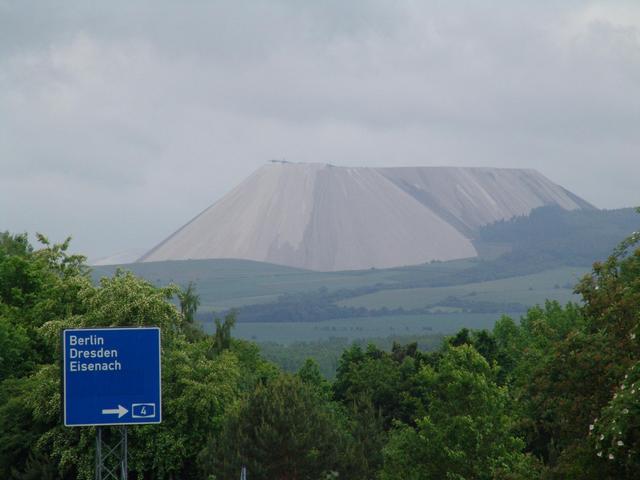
(64, 376)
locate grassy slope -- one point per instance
(223, 284)
(527, 289)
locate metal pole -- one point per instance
(124, 452)
(111, 454)
(98, 475)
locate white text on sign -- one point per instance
(97, 354)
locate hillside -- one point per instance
(529, 259)
(326, 218)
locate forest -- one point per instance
(553, 394)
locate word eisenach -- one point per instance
(98, 353)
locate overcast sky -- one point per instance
(121, 120)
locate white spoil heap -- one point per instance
(323, 217)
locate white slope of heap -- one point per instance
(479, 196)
(361, 220)
(269, 209)
(330, 218)
(318, 217)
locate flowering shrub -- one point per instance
(616, 434)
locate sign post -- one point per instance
(111, 376)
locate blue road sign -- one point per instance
(111, 376)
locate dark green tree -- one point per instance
(368, 437)
(283, 431)
(310, 374)
(467, 432)
(222, 335)
(189, 302)
(389, 380)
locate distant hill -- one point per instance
(542, 257)
(550, 235)
(327, 218)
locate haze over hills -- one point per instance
(122, 257)
(327, 218)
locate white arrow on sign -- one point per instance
(120, 411)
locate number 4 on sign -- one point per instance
(143, 410)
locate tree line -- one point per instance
(553, 396)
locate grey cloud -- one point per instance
(158, 108)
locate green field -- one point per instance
(224, 284)
(528, 290)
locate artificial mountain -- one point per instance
(328, 218)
